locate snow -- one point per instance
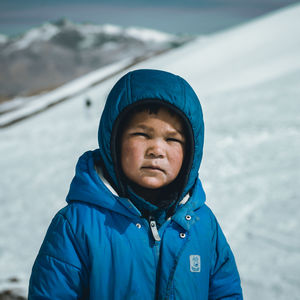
(31, 105)
(44, 33)
(148, 35)
(3, 39)
(272, 43)
(88, 32)
(248, 81)
(139, 33)
(110, 29)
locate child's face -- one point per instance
(152, 148)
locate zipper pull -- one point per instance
(154, 229)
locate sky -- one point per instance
(189, 16)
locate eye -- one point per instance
(174, 140)
(140, 134)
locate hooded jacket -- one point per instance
(100, 247)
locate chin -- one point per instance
(151, 185)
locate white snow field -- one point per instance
(248, 80)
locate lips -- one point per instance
(153, 168)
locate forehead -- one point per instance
(162, 116)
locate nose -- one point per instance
(155, 149)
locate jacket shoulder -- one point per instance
(78, 212)
(205, 215)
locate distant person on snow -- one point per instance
(88, 102)
(87, 106)
(136, 225)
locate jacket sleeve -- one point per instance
(224, 278)
(58, 271)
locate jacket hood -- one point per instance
(157, 86)
(89, 188)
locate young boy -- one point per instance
(136, 226)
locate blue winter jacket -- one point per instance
(99, 246)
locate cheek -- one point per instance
(130, 154)
(177, 158)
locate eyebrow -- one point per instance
(173, 132)
(143, 127)
(176, 132)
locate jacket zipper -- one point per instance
(154, 229)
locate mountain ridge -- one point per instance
(54, 53)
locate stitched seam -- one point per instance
(78, 247)
(171, 277)
(61, 261)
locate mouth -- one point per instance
(153, 168)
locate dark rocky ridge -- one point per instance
(48, 56)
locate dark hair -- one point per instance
(151, 108)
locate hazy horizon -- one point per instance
(192, 17)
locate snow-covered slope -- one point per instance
(248, 81)
(20, 108)
(256, 52)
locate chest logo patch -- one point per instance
(195, 263)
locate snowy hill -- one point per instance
(248, 81)
(54, 53)
(247, 55)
